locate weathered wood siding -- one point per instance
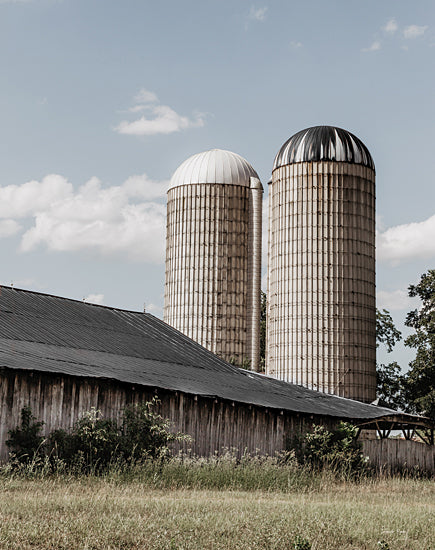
(397, 454)
(214, 425)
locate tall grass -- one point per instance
(120, 511)
(225, 471)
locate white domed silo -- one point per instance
(213, 254)
(321, 270)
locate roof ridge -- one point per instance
(70, 299)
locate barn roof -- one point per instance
(46, 333)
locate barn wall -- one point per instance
(396, 454)
(214, 424)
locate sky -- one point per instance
(101, 100)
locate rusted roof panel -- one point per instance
(57, 335)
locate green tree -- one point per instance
(420, 379)
(389, 380)
(386, 332)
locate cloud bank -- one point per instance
(126, 220)
(407, 242)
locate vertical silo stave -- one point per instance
(321, 274)
(211, 254)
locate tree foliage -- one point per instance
(386, 332)
(420, 380)
(389, 380)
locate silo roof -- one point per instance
(323, 143)
(214, 166)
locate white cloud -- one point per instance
(125, 220)
(296, 45)
(374, 47)
(391, 26)
(165, 121)
(94, 299)
(19, 201)
(137, 109)
(153, 308)
(259, 14)
(414, 31)
(407, 241)
(145, 96)
(394, 300)
(159, 119)
(8, 228)
(142, 187)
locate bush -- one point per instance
(26, 441)
(145, 433)
(96, 442)
(91, 445)
(338, 449)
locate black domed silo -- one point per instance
(321, 330)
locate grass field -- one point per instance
(119, 513)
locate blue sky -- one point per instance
(101, 100)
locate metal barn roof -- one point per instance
(214, 166)
(323, 143)
(40, 332)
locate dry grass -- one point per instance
(106, 513)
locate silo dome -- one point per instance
(213, 255)
(323, 143)
(214, 166)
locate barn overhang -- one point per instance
(409, 424)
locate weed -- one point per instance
(300, 543)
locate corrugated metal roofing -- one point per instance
(57, 335)
(214, 166)
(323, 143)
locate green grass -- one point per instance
(169, 507)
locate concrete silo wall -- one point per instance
(206, 288)
(321, 278)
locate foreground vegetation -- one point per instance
(105, 485)
(169, 508)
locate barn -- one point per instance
(62, 357)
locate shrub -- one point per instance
(91, 445)
(338, 449)
(145, 433)
(95, 442)
(26, 441)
